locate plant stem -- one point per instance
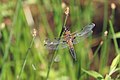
(23, 65)
(55, 52)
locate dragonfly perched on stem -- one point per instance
(69, 39)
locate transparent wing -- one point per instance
(81, 35)
(55, 44)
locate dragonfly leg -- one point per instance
(73, 54)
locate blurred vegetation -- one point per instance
(24, 25)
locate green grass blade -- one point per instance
(94, 74)
(114, 64)
(114, 39)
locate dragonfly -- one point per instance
(69, 39)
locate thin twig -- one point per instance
(27, 52)
(63, 27)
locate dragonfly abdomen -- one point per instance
(73, 54)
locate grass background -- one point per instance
(24, 57)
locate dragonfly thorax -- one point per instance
(67, 36)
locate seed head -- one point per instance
(113, 6)
(67, 10)
(34, 32)
(105, 33)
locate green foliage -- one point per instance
(24, 57)
(113, 67)
(94, 74)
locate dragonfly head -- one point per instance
(66, 31)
